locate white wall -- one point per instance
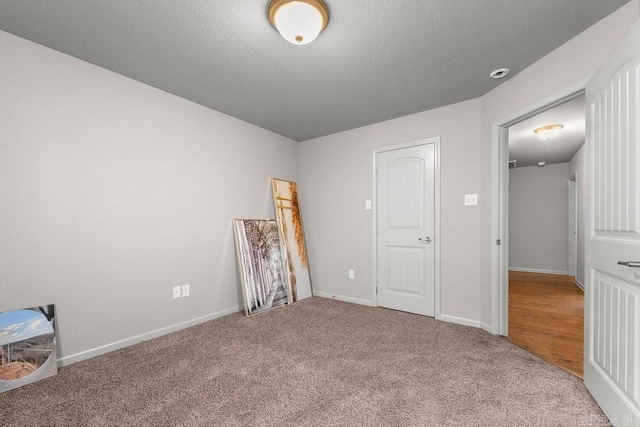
(577, 167)
(337, 178)
(113, 192)
(568, 65)
(538, 218)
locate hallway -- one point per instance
(546, 317)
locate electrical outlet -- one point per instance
(176, 292)
(352, 274)
(186, 290)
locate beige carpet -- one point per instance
(318, 362)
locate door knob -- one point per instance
(425, 240)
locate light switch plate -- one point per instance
(470, 199)
(367, 205)
(176, 292)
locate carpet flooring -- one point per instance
(318, 362)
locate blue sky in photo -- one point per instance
(18, 325)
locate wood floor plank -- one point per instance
(546, 317)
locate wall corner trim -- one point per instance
(486, 327)
(460, 321)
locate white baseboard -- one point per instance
(442, 317)
(87, 354)
(487, 327)
(344, 299)
(534, 270)
(579, 283)
(460, 321)
(68, 360)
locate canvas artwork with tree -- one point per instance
(294, 251)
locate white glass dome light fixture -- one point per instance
(299, 21)
(548, 132)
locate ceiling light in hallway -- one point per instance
(548, 132)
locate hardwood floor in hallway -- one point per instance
(546, 317)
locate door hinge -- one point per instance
(498, 242)
(376, 290)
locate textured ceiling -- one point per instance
(376, 60)
(528, 149)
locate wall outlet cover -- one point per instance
(176, 292)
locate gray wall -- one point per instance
(337, 178)
(570, 64)
(113, 192)
(577, 166)
(538, 218)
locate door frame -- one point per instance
(572, 194)
(436, 239)
(500, 200)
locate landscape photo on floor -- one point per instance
(27, 346)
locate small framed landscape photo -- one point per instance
(27, 346)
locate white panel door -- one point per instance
(406, 214)
(612, 297)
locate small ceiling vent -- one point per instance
(512, 164)
(499, 73)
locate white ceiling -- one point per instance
(376, 60)
(528, 149)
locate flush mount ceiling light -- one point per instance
(541, 164)
(548, 132)
(299, 21)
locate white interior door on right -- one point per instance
(612, 247)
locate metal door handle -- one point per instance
(425, 240)
(630, 263)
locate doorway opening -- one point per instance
(534, 227)
(539, 180)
